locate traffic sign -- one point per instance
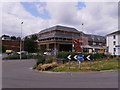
(117, 46)
(75, 57)
(79, 57)
(69, 57)
(88, 57)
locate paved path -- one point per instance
(18, 74)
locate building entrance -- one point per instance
(65, 47)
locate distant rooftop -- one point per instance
(96, 38)
(61, 28)
(116, 32)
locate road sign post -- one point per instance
(79, 64)
(79, 58)
(69, 65)
(90, 63)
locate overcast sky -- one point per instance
(99, 18)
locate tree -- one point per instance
(13, 38)
(30, 45)
(42, 48)
(18, 38)
(3, 49)
(34, 37)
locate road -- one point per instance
(4, 55)
(18, 74)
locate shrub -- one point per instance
(41, 59)
(35, 66)
(46, 66)
(50, 59)
(12, 57)
(38, 67)
(23, 56)
(64, 54)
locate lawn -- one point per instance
(87, 66)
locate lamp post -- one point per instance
(93, 44)
(21, 40)
(55, 47)
(82, 36)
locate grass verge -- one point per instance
(87, 66)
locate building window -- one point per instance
(114, 37)
(100, 44)
(114, 43)
(114, 50)
(94, 43)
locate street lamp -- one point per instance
(21, 40)
(82, 36)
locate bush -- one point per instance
(35, 66)
(23, 56)
(64, 54)
(50, 59)
(12, 57)
(46, 66)
(41, 59)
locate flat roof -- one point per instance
(61, 28)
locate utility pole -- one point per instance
(21, 40)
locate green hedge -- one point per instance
(94, 56)
(40, 60)
(23, 56)
(43, 59)
(64, 54)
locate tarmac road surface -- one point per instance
(18, 74)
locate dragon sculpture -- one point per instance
(77, 45)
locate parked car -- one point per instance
(47, 53)
(9, 52)
(22, 52)
(13, 53)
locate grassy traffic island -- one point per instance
(50, 63)
(85, 66)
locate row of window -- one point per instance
(114, 43)
(55, 39)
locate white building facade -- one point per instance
(113, 43)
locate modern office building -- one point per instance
(113, 43)
(60, 38)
